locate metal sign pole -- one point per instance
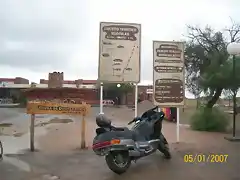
(136, 100)
(178, 125)
(101, 99)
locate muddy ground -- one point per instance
(58, 155)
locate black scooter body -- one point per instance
(142, 139)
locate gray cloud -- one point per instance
(40, 33)
(33, 59)
(46, 35)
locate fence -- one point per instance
(108, 103)
(6, 101)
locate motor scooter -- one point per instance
(121, 145)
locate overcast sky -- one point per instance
(39, 36)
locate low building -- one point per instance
(11, 89)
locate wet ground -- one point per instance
(59, 157)
(86, 165)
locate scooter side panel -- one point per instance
(125, 144)
(143, 130)
(107, 136)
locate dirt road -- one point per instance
(59, 157)
(86, 165)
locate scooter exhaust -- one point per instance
(135, 153)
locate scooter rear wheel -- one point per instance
(118, 162)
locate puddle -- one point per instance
(4, 134)
(14, 145)
(12, 131)
(18, 134)
(18, 145)
(54, 121)
(3, 125)
(15, 137)
(17, 163)
(40, 116)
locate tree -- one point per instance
(228, 94)
(192, 84)
(207, 60)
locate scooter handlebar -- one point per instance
(137, 118)
(134, 120)
(156, 107)
(131, 121)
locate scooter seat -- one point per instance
(128, 133)
(119, 128)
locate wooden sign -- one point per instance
(57, 108)
(168, 73)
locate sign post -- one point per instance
(83, 138)
(136, 100)
(168, 75)
(57, 108)
(32, 123)
(101, 98)
(119, 53)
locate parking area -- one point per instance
(59, 156)
(86, 165)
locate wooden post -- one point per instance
(83, 141)
(32, 148)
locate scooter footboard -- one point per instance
(119, 148)
(154, 143)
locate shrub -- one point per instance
(206, 119)
(23, 101)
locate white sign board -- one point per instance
(168, 73)
(119, 52)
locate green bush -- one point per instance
(23, 101)
(206, 119)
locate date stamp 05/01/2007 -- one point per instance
(205, 158)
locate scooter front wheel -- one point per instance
(118, 162)
(163, 147)
(165, 150)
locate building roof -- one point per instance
(26, 86)
(7, 79)
(30, 90)
(89, 81)
(82, 81)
